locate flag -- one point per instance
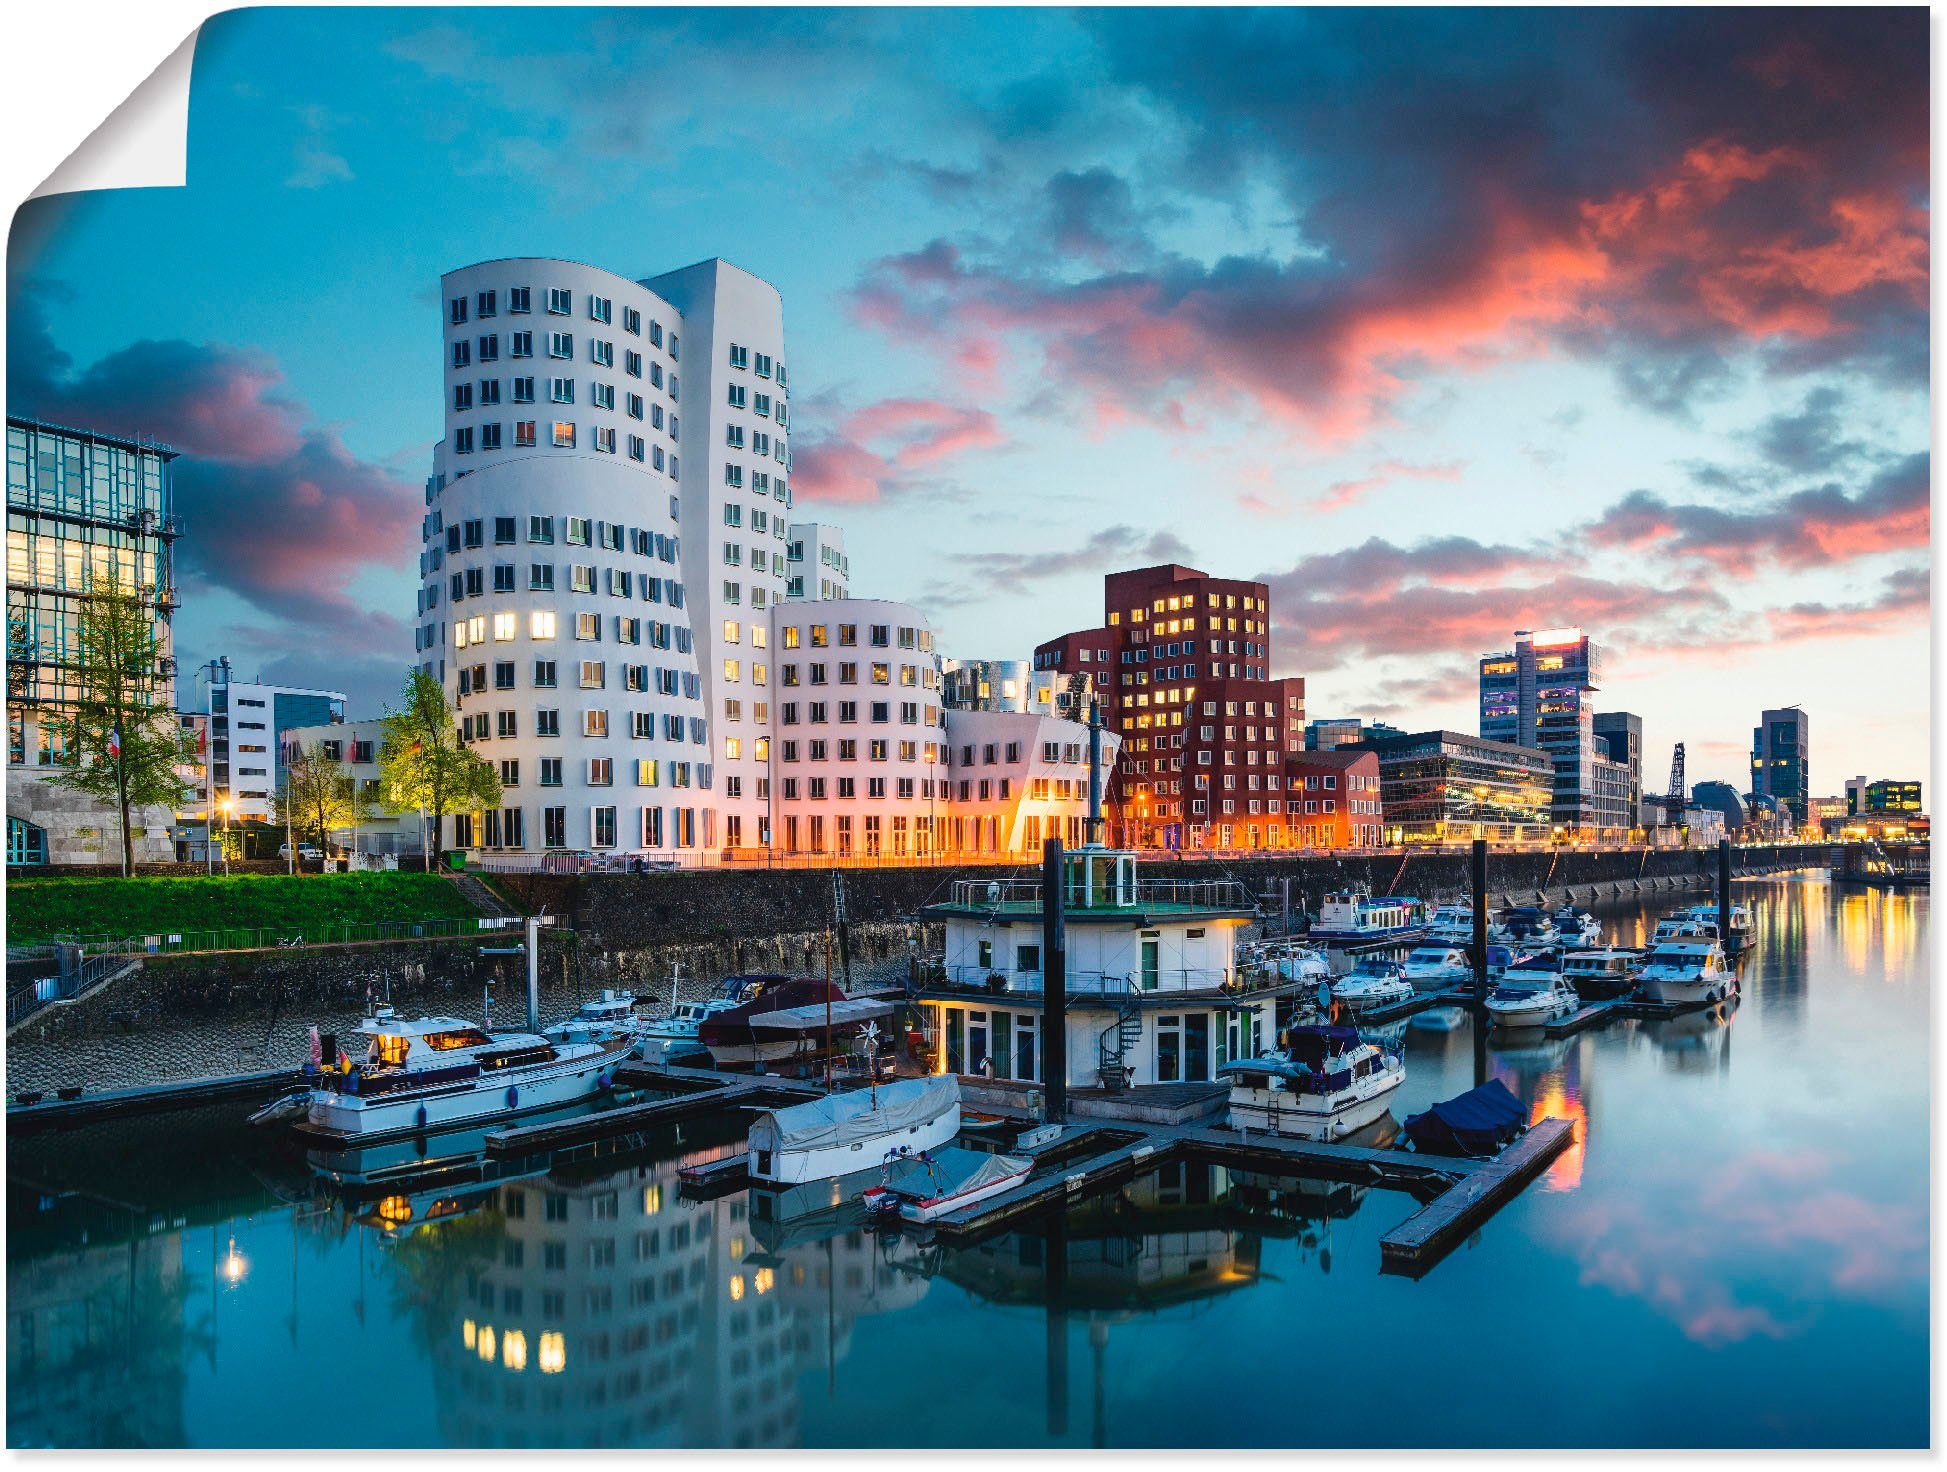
(415, 748)
(115, 744)
(202, 739)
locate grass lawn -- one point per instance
(310, 905)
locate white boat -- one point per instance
(1374, 983)
(1742, 935)
(1578, 927)
(844, 1133)
(1436, 968)
(1355, 917)
(610, 1015)
(1687, 968)
(679, 1030)
(1601, 974)
(433, 1073)
(1451, 925)
(1532, 993)
(1325, 1083)
(1290, 960)
(920, 1188)
(1527, 928)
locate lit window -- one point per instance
(540, 624)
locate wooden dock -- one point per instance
(55, 1111)
(630, 1119)
(1425, 1237)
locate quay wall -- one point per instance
(622, 913)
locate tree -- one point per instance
(119, 735)
(318, 797)
(422, 764)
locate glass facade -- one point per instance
(1446, 787)
(79, 506)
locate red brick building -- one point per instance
(1332, 799)
(1184, 662)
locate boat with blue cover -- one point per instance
(1478, 1122)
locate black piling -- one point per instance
(1724, 893)
(1054, 983)
(1479, 957)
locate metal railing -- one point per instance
(981, 980)
(278, 937)
(1025, 894)
(23, 1002)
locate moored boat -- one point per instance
(1601, 975)
(920, 1188)
(1532, 993)
(1478, 1122)
(1354, 917)
(1577, 927)
(1323, 1084)
(1528, 928)
(844, 1133)
(434, 1073)
(1375, 983)
(1687, 968)
(1436, 968)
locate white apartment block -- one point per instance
(654, 656)
(247, 720)
(815, 562)
(353, 747)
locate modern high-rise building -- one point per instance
(1329, 732)
(1888, 796)
(1781, 758)
(1539, 694)
(79, 504)
(247, 722)
(1447, 787)
(1182, 661)
(1620, 734)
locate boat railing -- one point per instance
(1018, 895)
(987, 981)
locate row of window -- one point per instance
(741, 357)
(644, 725)
(543, 624)
(562, 435)
(581, 577)
(522, 390)
(560, 302)
(561, 349)
(592, 675)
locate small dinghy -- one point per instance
(1478, 1122)
(919, 1188)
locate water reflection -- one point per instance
(1754, 1218)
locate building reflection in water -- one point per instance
(609, 1311)
(1548, 1073)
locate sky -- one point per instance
(1444, 323)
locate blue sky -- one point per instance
(1446, 323)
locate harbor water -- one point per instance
(1733, 1253)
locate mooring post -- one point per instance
(1724, 894)
(533, 950)
(1054, 985)
(1479, 879)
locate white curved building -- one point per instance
(553, 602)
(858, 765)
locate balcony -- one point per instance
(935, 980)
(1130, 901)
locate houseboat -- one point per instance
(1354, 917)
(843, 1134)
(435, 1073)
(1325, 1083)
(1687, 967)
(1155, 991)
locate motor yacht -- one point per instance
(1290, 960)
(1528, 928)
(1577, 927)
(1436, 968)
(1601, 975)
(1742, 935)
(433, 1073)
(1323, 1084)
(1687, 968)
(1532, 993)
(1451, 925)
(1373, 984)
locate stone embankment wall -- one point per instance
(192, 1016)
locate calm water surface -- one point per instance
(1734, 1253)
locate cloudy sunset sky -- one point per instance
(1444, 322)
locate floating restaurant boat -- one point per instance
(1532, 993)
(846, 1133)
(1353, 917)
(1436, 968)
(437, 1072)
(1325, 1083)
(1373, 984)
(1687, 967)
(920, 1188)
(1601, 975)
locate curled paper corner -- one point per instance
(144, 143)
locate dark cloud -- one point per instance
(988, 574)
(276, 509)
(1812, 439)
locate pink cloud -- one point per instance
(877, 450)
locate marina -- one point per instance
(1197, 1190)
